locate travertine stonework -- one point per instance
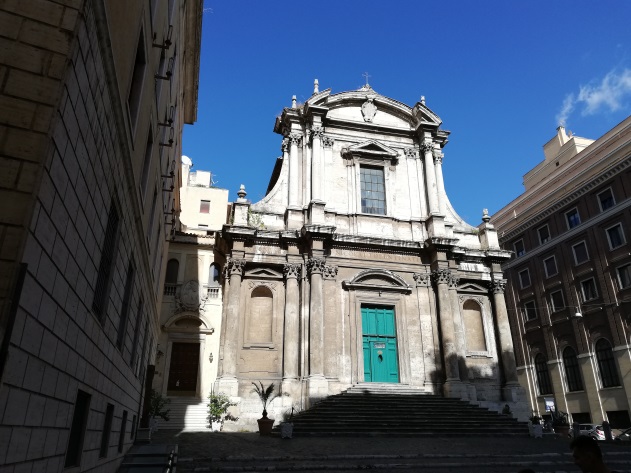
(319, 257)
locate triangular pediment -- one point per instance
(263, 273)
(472, 287)
(372, 147)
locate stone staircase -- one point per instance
(186, 413)
(373, 409)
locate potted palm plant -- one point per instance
(266, 395)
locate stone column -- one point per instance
(507, 352)
(440, 183)
(454, 280)
(331, 324)
(427, 148)
(453, 386)
(294, 169)
(233, 270)
(316, 163)
(291, 338)
(317, 386)
(429, 358)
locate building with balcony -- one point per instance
(93, 99)
(569, 280)
(190, 312)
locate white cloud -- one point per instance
(608, 95)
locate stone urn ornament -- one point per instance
(266, 395)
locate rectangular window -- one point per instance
(146, 165)
(107, 428)
(77, 429)
(530, 310)
(524, 278)
(134, 345)
(520, 249)
(204, 206)
(588, 289)
(121, 433)
(556, 301)
(580, 253)
(544, 234)
(108, 254)
(122, 325)
(572, 218)
(373, 190)
(550, 266)
(615, 235)
(606, 200)
(624, 276)
(137, 80)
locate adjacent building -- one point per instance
(190, 313)
(569, 280)
(355, 268)
(93, 98)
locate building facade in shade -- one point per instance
(355, 268)
(190, 316)
(569, 281)
(93, 99)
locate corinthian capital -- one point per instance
(329, 272)
(454, 281)
(441, 276)
(438, 156)
(233, 266)
(315, 266)
(327, 141)
(316, 131)
(284, 146)
(427, 147)
(295, 138)
(498, 286)
(292, 270)
(410, 152)
(422, 279)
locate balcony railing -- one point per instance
(170, 289)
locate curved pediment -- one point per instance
(378, 280)
(188, 322)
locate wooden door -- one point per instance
(183, 370)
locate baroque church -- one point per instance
(355, 268)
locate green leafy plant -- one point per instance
(266, 395)
(218, 405)
(157, 405)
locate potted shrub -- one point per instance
(218, 405)
(560, 422)
(157, 405)
(266, 395)
(534, 426)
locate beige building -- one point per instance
(93, 98)
(355, 268)
(569, 280)
(190, 314)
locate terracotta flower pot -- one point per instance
(265, 425)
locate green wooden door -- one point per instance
(380, 345)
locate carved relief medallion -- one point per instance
(191, 297)
(369, 109)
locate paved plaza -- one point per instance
(246, 451)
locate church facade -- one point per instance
(355, 268)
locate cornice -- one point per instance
(536, 219)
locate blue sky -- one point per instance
(500, 74)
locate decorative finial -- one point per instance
(293, 101)
(366, 76)
(316, 86)
(485, 216)
(242, 193)
(423, 99)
